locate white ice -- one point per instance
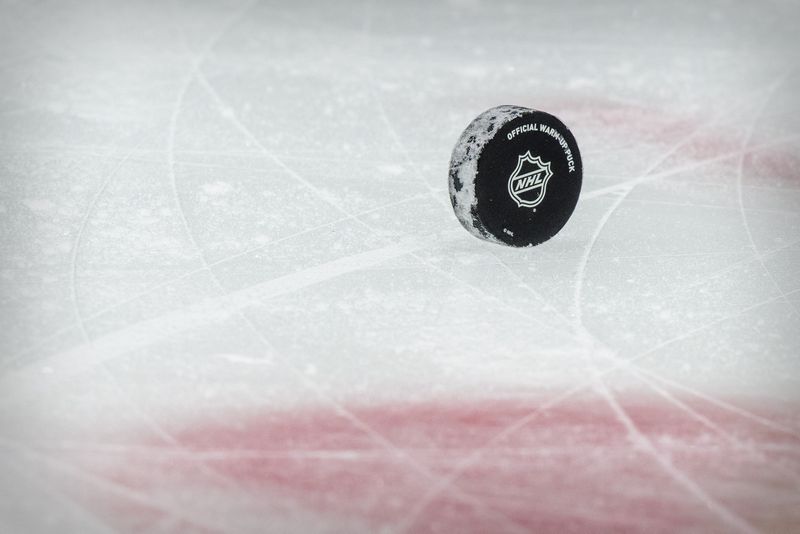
(209, 207)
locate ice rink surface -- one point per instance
(235, 297)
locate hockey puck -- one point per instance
(515, 176)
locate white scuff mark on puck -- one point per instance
(464, 163)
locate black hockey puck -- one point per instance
(515, 176)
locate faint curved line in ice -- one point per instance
(100, 313)
(627, 189)
(79, 238)
(740, 168)
(584, 261)
(197, 61)
(85, 220)
(196, 64)
(149, 421)
(739, 187)
(642, 442)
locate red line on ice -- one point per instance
(572, 468)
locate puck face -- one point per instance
(527, 178)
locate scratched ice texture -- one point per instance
(235, 297)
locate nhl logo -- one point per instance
(527, 185)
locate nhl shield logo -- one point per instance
(527, 185)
